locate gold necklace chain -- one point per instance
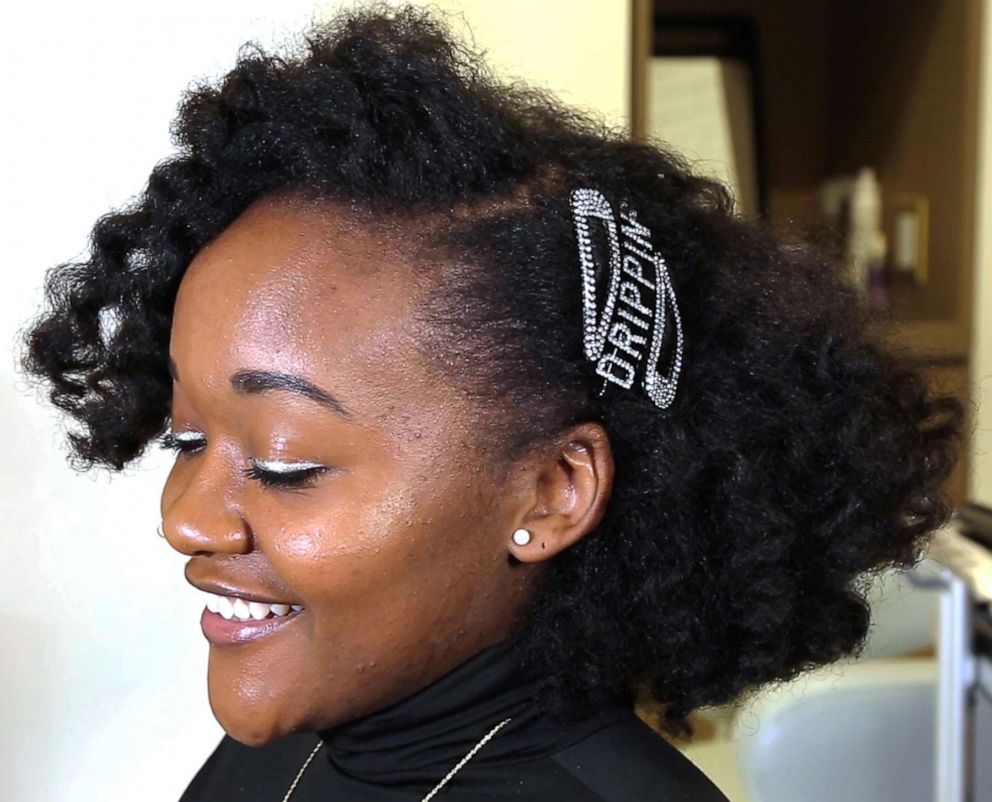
(482, 742)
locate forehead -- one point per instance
(315, 291)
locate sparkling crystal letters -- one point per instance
(624, 332)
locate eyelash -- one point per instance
(296, 480)
(283, 481)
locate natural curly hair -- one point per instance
(800, 456)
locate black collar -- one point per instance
(420, 738)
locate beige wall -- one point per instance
(981, 364)
(580, 49)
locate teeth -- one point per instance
(259, 610)
(241, 611)
(233, 607)
(225, 607)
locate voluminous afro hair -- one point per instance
(800, 456)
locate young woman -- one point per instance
(490, 423)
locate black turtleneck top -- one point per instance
(400, 753)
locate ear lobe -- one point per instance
(572, 486)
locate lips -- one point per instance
(236, 614)
(221, 631)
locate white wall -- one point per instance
(102, 665)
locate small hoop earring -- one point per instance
(521, 537)
(158, 530)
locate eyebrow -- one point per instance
(250, 382)
(261, 381)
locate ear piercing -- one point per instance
(521, 537)
(158, 529)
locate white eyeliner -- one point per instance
(284, 467)
(271, 466)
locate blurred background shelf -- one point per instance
(842, 84)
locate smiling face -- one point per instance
(324, 464)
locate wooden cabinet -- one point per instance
(893, 85)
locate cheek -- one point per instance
(334, 555)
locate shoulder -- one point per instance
(627, 761)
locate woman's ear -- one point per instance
(570, 486)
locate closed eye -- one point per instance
(268, 473)
(182, 442)
(290, 475)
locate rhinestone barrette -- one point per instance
(633, 328)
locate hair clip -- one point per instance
(625, 332)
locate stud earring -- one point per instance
(521, 537)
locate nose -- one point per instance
(200, 514)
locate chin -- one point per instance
(251, 712)
(245, 724)
(244, 728)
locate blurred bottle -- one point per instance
(865, 224)
(855, 203)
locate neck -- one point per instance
(419, 738)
